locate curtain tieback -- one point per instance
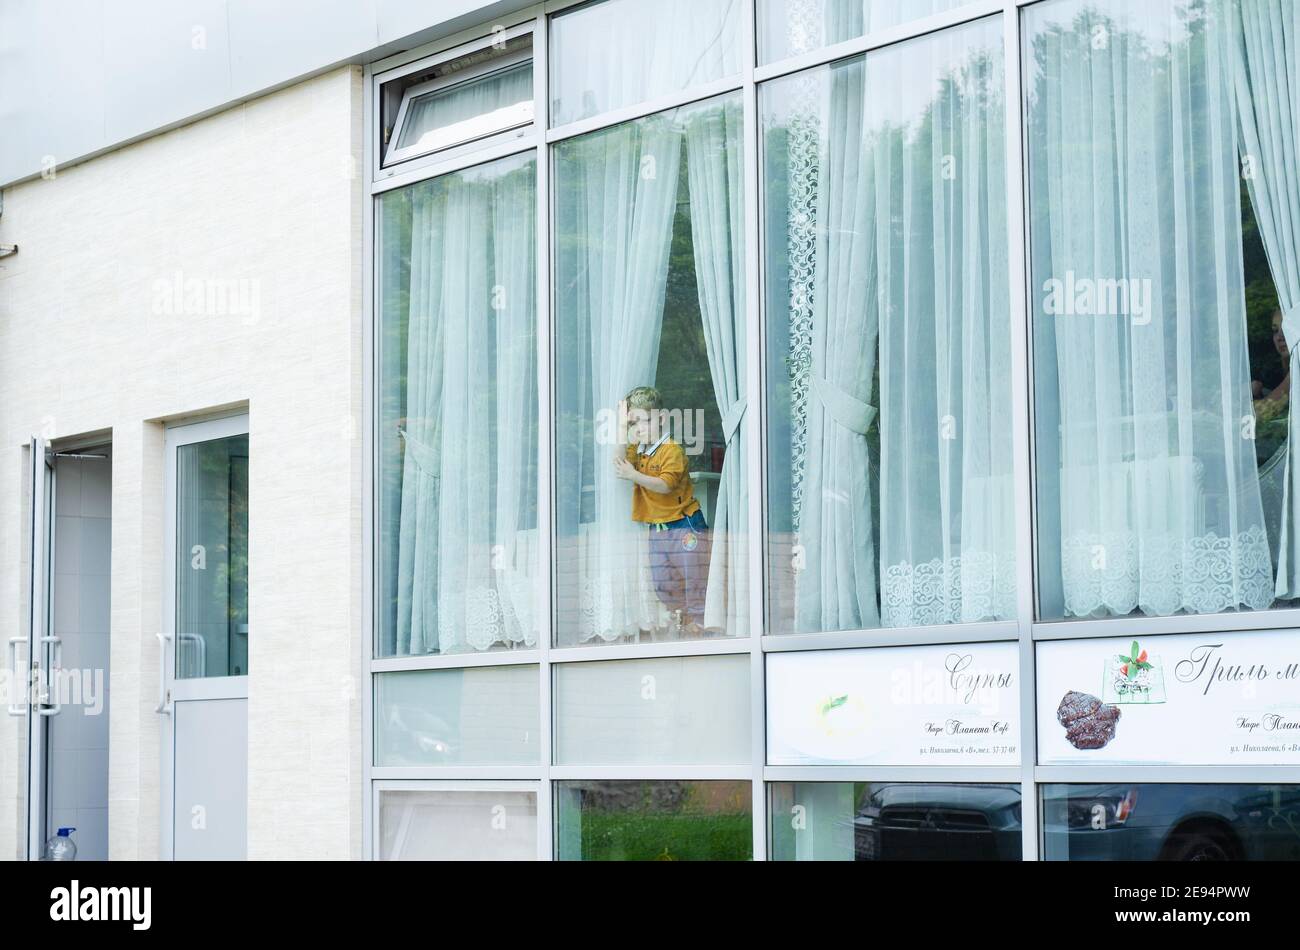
(1291, 327)
(424, 456)
(849, 411)
(731, 421)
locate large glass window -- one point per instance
(1162, 323)
(890, 470)
(484, 715)
(1152, 330)
(654, 821)
(458, 417)
(671, 711)
(895, 821)
(458, 823)
(651, 499)
(1171, 822)
(622, 52)
(790, 27)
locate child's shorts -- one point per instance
(679, 564)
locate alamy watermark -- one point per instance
(684, 426)
(64, 687)
(1099, 297)
(90, 903)
(208, 297)
(960, 683)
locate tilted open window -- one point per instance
(478, 92)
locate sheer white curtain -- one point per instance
(791, 27)
(467, 566)
(836, 590)
(623, 183)
(1141, 330)
(619, 52)
(715, 177)
(947, 518)
(515, 551)
(1266, 61)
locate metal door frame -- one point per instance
(33, 707)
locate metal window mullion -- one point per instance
(1022, 421)
(639, 110)
(456, 773)
(458, 158)
(1128, 627)
(1167, 774)
(437, 784)
(951, 774)
(454, 661)
(885, 637)
(545, 438)
(369, 468)
(624, 772)
(753, 434)
(650, 651)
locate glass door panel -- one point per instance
(212, 558)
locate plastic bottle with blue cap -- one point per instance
(61, 847)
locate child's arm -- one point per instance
(627, 471)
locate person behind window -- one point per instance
(1274, 403)
(664, 499)
(1272, 406)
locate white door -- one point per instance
(66, 604)
(33, 654)
(204, 676)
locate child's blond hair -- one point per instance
(644, 397)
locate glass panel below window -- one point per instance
(458, 825)
(654, 821)
(895, 821)
(1130, 822)
(670, 711)
(479, 716)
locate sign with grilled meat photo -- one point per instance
(1185, 699)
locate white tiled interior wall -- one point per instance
(79, 733)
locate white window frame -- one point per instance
(517, 120)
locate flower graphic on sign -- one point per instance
(1134, 677)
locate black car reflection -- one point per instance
(920, 822)
(900, 822)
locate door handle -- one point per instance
(55, 666)
(163, 708)
(17, 709)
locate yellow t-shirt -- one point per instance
(666, 461)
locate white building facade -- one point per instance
(962, 526)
